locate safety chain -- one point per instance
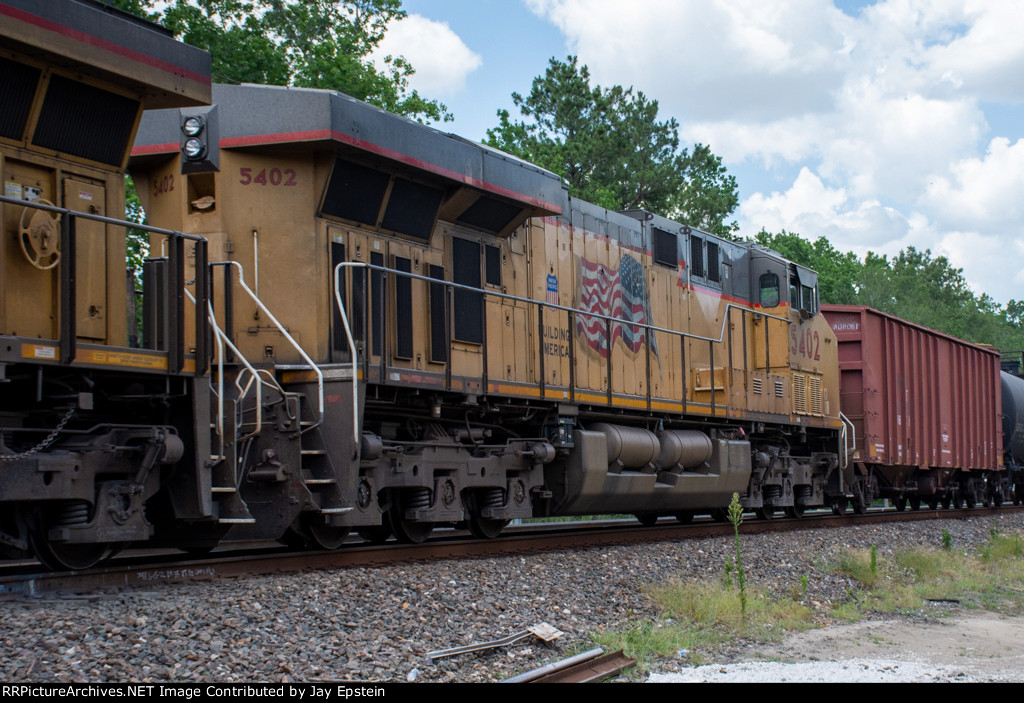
(45, 443)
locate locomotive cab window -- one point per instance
(769, 290)
(803, 291)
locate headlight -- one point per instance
(193, 148)
(192, 126)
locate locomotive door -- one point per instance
(407, 309)
(366, 299)
(28, 300)
(708, 361)
(468, 328)
(90, 258)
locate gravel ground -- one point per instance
(378, 624)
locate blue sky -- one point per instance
(878, 125)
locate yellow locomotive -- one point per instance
(443, 335)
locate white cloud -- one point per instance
(815, 210)
(884, 112)
(441, 59)
(984, 191)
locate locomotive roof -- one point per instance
(100, 41)
(259, 115)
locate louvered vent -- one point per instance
(757, 386)
(84, 121)
(780, 390)
(799, 393)
(815, 388)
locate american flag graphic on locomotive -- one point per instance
(620, 293)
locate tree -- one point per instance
(709, 194)
(610, 147)
(308, 43)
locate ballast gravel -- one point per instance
(378, 624)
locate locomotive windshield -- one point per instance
(803, 290)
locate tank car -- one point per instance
(1012, 387)
(88, 426)
(410, 329)
(926, 411)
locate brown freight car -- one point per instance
(926, 409)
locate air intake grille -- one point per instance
(799, 393)
(815, 392)
(17, 88)
(84, 121)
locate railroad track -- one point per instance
(139, 569)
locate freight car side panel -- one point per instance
(917, 398)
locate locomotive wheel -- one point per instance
(794, 511)
(685, 517)
(719, 515)
(647, 519)
(765, 513)
(61, 556)
(486, 528)
(1017, 493)
(947, 500)
(957, 500)
(375, 534)
(839, 506)
(915, 503)
(321, 536)
(900, 504)
(933, 503)
(408, 531)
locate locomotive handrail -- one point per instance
(284, 332)
(543, 303)
(853, 435)
(220, 337)
(541, 306)
(352, 350)
(100, 218)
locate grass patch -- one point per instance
(991, 578)
(700, 616)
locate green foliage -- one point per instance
(857, 565)
(308, 43)
(608, 144)
(1003, 547)
(947, 540)
(735, 514)
(914, 285)
(989, 578)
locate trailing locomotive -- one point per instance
(352, 321)
(86, 422)
(464, 342)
